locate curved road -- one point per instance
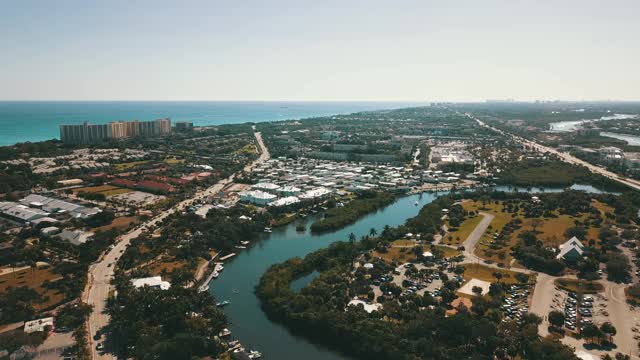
(101, 272)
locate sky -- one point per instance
(374, 50)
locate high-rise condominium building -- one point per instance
(97, 133)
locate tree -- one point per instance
(352, 243)
(477, 290)
(617, 267)
(591, 331)
(417, 251)
(535, 223)
(556, 318)
(373, 232)
(497, 275)
(608, 330)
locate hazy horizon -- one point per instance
(287, 50)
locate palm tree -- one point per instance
(352, 242)
(373, 232)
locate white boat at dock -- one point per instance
(253, 354)
(244, 242)
(228, 256)
(240, 247)
(223, 303)
(224, 332)
(267, 230)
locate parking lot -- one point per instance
(516, 303)
(417, 278)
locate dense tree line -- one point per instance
(338, 217)
(554, 173)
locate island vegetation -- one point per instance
(340, 216)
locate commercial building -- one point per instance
(52, 205)
(257, 197)
(285, 201)
(75, 237)
(96, 133)
(20, 212)
(184, 126)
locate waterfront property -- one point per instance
(97, 133)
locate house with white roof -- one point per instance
(38, 325)
(154, 282)
(571, 250)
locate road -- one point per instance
(634, 184)
(101, 272)
(542, 300)
(472, 240)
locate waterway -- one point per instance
(633, 140)
(573, 125)
(236, 283)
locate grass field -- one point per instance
(459, 236)
(247, 149)
(481, 272)
(173, 161)
(33, 278)
(129, 165)
(120, 223)
(400, 251)
(497, 224)
(448, 252)
(95, 189)
(106, 190)
(551, 231)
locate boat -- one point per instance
(224, 332)
(240, 247)
(236, 291)
(267, 229)
(244, 242)
(253, 354)
(215, 274)
(204, 288)
(416, 204)
(223, 303)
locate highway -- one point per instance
(101, 272)
(634, 184)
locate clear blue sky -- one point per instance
(320, 50)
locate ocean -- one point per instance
(22, 121)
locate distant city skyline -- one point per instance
(287, 50)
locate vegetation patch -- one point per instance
(121, 223)
(579, 285)
(489, 274)
(341, 216)
(461, 233)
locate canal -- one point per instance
(236, 283)
(240, 276)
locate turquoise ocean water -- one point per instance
(22, 121)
